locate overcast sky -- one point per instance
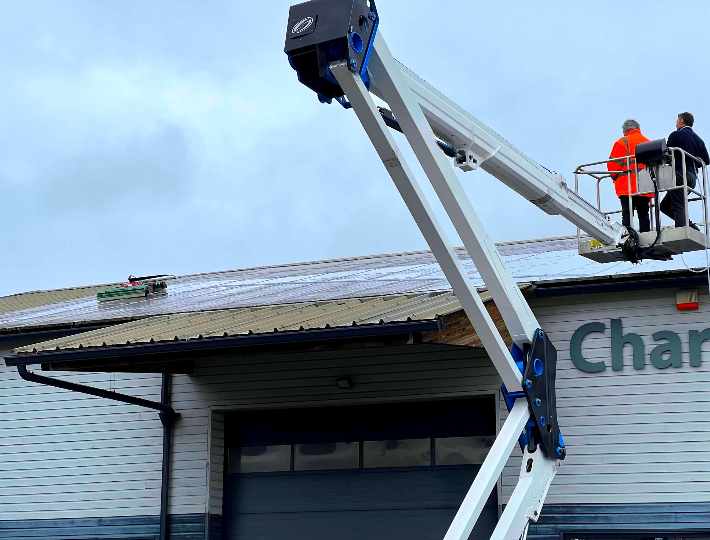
(173, 137)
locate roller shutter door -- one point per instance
(385, 472)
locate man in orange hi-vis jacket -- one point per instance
(626, 146)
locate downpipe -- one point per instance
(168, 419)
(165, 412)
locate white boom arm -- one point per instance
(394, 86)
(329, 43)
(421, 111)
(491, 152)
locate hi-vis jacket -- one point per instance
(626, 146)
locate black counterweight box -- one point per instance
(321, 32)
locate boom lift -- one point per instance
(337, 51)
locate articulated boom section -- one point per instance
(336, 50)
(480, 146)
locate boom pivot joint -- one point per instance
(539, 366)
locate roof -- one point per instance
(16, 302)
(358, 277)
(259, 320)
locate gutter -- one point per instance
(617, 285)
(165, 412)
(222, 343)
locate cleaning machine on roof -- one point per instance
(135, 287)
(338, 52)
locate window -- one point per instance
(351, 438)
(326, 456)
(386, 453)
(257, 459)
(462, 450)
(396, 453)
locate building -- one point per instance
(350, 399)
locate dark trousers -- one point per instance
(641, 205)
(673, 204)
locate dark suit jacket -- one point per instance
(689, 141)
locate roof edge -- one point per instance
(46, 335)
(223, 343)
(628, 282)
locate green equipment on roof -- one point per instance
(133, 288)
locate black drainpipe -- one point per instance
(165, 412)
(168, 419)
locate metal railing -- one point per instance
(632, 176)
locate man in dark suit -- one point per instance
(673, 204)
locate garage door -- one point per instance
(384, 472)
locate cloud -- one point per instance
(174, 137)
(140, 173)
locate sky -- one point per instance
(173, 137)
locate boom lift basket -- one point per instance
(652, 170)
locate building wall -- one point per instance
(302, 380)
(67, 455)
(71, 460)
(633, 436)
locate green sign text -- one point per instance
(665, 354)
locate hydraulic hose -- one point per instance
(391, 122)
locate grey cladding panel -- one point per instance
(633, 436)
(69, 455)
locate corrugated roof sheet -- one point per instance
(381, 275)
(260, 320)
(17, 302)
